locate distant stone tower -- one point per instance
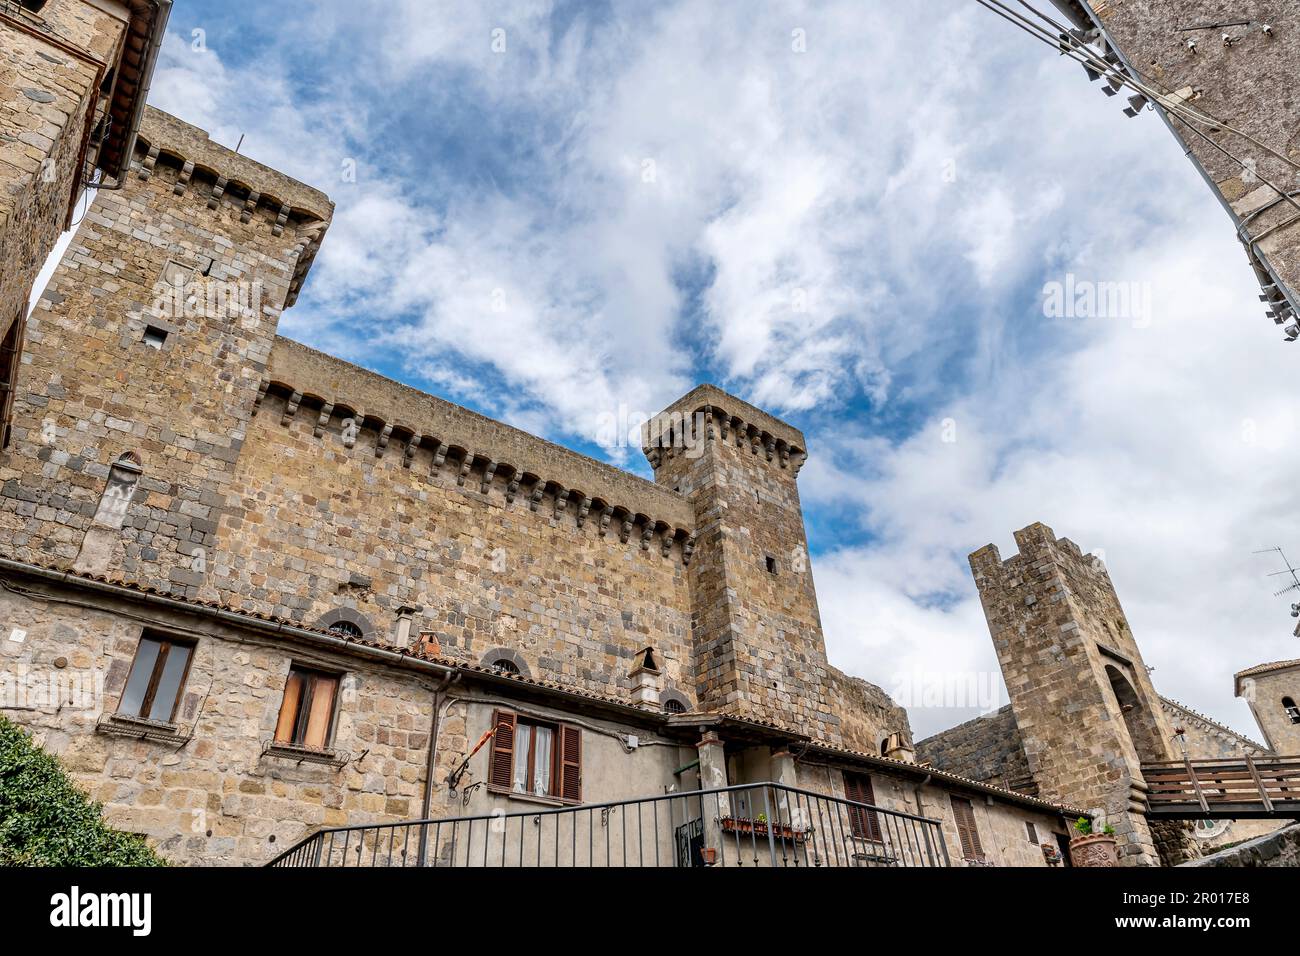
(759, 650)
(145, 357)
(1084, 704)
(1273, 693)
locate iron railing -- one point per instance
(763, 824)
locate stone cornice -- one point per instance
(484, 456)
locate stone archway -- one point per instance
(1140, 722)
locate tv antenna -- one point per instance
(1291, 571)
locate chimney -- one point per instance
(645, 681)
(898, 747)
(405, 618)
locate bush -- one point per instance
(46, 821)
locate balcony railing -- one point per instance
(749, 825)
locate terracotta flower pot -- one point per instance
(709, 855)
(1097, 849)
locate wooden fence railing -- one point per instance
(1237, 788)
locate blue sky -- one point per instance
(843, 212)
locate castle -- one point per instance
(251, 590)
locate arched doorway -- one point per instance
(1138, 719)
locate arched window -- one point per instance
(347, 622)
(674, 702)
(1291, 709)
(504, 660)
(674, 706)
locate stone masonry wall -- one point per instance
(1247, 84)
(91, 389)
(314, 524)
(48, 91)
(1277, 849)
(210, 796)
(988, 749)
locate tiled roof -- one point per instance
(1265, 668)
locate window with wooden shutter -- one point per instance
(863, 823)
(964, 815)
(570, 763)
(501, 772)
(535, 757)
(307, 710)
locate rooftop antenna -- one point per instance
(1293, 572)
(240, 143)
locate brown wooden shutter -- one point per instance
(288, 720)
(964, 815)
(501, 769)
(865, 824)
(570, 763)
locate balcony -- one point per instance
(761, 825)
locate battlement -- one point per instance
(707, 413)
(481, 450)
(223, 178)
(1038, 545)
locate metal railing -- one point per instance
(760, 825)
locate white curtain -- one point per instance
(542, 760)
(523, 735)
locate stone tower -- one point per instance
(759, 650)
(146, 356)
(1083, 701)
(1273, 692)
(73, 74)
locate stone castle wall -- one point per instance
(988, 749)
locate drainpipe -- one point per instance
(439, 693)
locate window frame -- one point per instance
(1031, 832)
(11, 346)
(502, 757)
(1291, 710)
(165, 644)
(302, 719)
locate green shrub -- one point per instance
(46, 821)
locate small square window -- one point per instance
(771, 564)
(154, 337)
(157, 678)
(307, 710)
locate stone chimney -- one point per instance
(402, 632)
(646, 681)
(898, 747)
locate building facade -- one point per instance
(73, 79)
(251, 590)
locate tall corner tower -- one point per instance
(759, 650)
(1081, 694)
(145, 359)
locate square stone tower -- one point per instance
(1273, 693)
(759, 650)
(145, 358)
(1082, 697)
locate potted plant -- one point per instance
(709, 854)
(1093, 849)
